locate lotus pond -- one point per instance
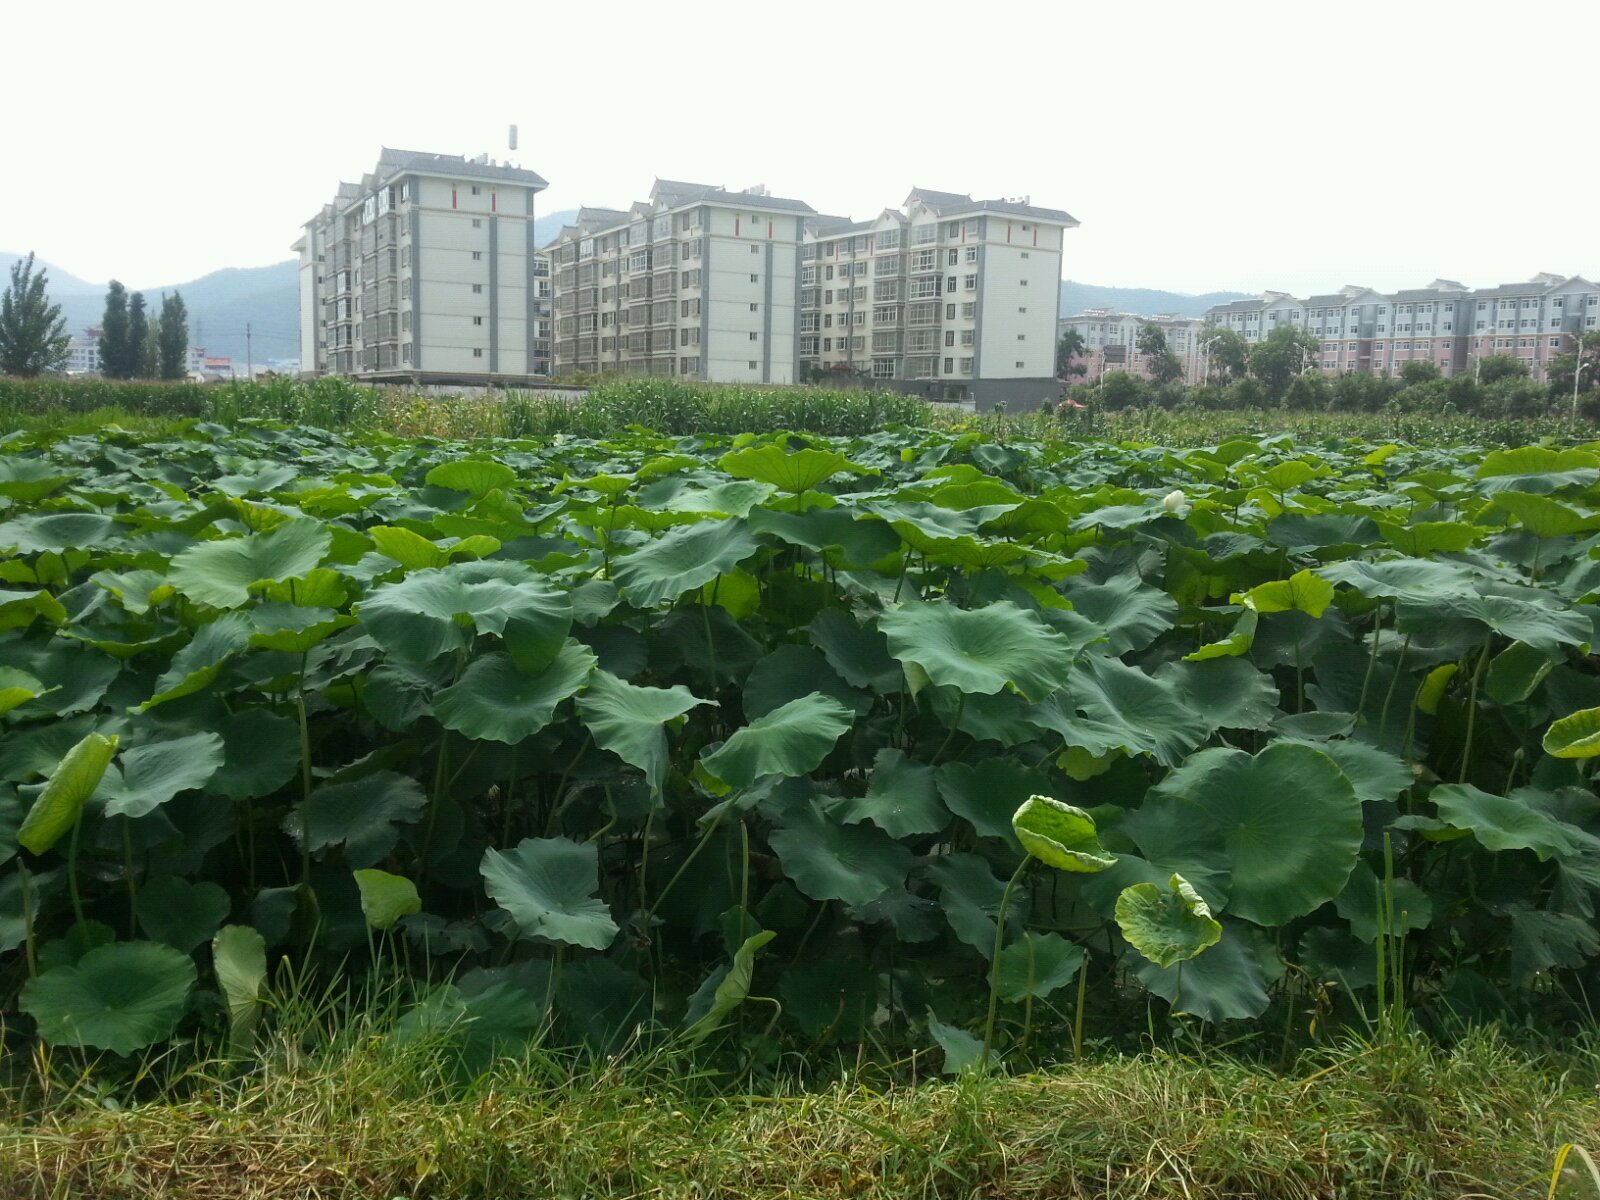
(915, 740)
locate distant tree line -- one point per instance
(1281, 371)
(132, 346)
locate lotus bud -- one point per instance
(1174, 502)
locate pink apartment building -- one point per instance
(1110, 341)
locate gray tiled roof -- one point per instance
(1011, 209)
(937, 200)
(454, 164)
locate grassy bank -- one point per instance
(370, 1120)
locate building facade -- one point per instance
(946, 296)
(1446, 323)
(83, 353)
(696, 282)
(1111, 343)
(426, 270)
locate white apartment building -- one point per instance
(696, 282)
(426, 270)
(1111, 342)
(1445, 323)
(83, 353)
(947, 297)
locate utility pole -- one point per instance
(249, 356)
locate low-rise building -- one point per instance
(1111, 343)
(83, 353)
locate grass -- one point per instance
(373, 1119)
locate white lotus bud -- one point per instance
(1174, 502)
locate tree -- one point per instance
(1070, 346)
(150, 352)
(1418, 370)
(1161, 364)
(138, 335)
(1281, 355)
(1586, 360)
(174, 337)
(1227, 354)
(116, 355)
(1492, 368)
(33, 333)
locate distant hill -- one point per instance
(1144, 302)
(224, 302)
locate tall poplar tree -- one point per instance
(33, 333)
(173, 338)
(116, 358)
(138, 334)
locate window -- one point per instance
(972, 254)
(859, 317)
(754, 306)
(949, 366)
(953, 257)
(1020, 364)
(1022, 337)
(969, 310)
(949, 339)
(477, 351)
(966, 366)
(405, 290)
(755, 249)
(476, 223)
(754, 336)
(477, 320)
(968, 337)
(755, 279)
(829, 274)
(753, 364)
(475, 191)
(972, 283)
(476, 255)
(950, 283)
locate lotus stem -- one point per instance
(994, 962)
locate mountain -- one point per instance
(222, 304)
(1144, 302)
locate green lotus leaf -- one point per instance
(1301, 533)
(548, 886)
(120, 998)
(19, 609)
(733, 498)
(1301, 592)
(411, 550)
(987, 794)
(1515, 672)
(495, 701)
(1060, 835)
(1510, 822)
(1374, 774)
(18, 687)
(1544, 517)
(1576, 735)
(199, 664)
(222, 572)
(385, 898)
(1529, 615)
(1227, 693)
(901, 800)
(1131, 613)
(790, 672)
(854, 863)
(1420, 579)
(1236, 643)
(1538, 469)
(294, 628)
(859, 542)
(1285, 825)
(631, 721)
(970, 896)
(53, 533)
(59, 804)
(1037, 964)
(1226, 983)
(859, 654)
(359, 814)
(1123, 708)
(1358, 904)
(1286, 476)
(1167, 925)
(1430, 537)
(180, 913)
(150, 775)
(980, 650)
(433, 611)
(239, 957)
(728, 988)
(1545, 941)
(792, 739)
(688, 557)
(30, 479)
(962, 1051)
(262, 753)
(789, 471)
(475, 476)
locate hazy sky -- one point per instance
(1289, 145)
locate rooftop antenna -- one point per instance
(512, 140)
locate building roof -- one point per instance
(392, 162)
(1012, 208)
(826, 227)
(936, 200)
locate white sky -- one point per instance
(1289, 145)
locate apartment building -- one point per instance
(1111, 342)
(426, 270)
(83, 353)
(948, 297)
(697, 282)
(1445, 323)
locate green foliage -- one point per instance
(172, 338)
(33, 333)
(141, 364)
(118, 350)
(563, 725)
